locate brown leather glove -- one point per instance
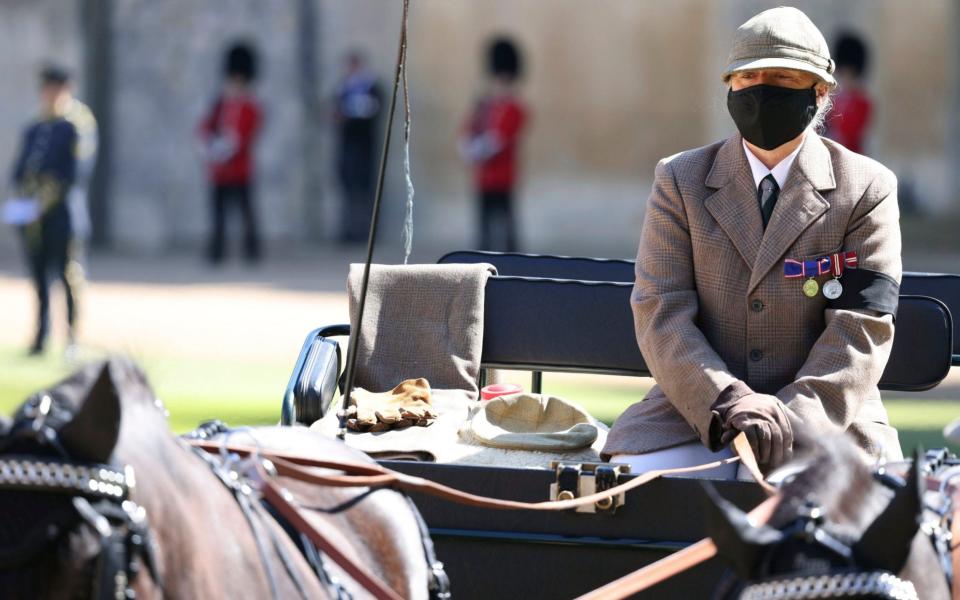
(764, 420)
(405, 405)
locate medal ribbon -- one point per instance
(835, 264)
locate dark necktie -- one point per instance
(767, 195)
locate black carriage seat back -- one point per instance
(534, 323)
(544, 265)
(942, 286)
(540, 324)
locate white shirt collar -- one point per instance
(779, 171)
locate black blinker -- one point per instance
(92, 433)
(739, 542)
(886, 542)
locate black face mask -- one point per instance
(769, 116)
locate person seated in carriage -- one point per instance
(767, 275)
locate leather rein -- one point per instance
(269, 464)
(372, 475)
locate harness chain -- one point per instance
(878, 584)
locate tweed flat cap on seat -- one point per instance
(782, 37)
(531, 422)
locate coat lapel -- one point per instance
(734, 204)
(799, 205)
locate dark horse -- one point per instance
(181, 532)
(841, 530)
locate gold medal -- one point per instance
(810, 288)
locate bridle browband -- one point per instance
(100, 482)
(100, 496)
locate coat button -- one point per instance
(755, 355)
(756, 305)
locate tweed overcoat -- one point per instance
(712, 306)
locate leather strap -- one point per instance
(673, 564)
(955, 543)
(741, 445)
(279, 501)
(370, 475)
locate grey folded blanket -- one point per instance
(420, 321)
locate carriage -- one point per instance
(563, 314)
(547, 314)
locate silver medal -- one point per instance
(832, 289)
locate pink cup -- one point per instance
(499, 389)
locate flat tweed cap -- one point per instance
(781, 37)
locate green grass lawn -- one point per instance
(193, 391)
(250, 393)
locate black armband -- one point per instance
(866, 289)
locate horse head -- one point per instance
(69, 521)
(100, 500)
(841, 529)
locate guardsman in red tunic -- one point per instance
(489, 143)
(228, 133)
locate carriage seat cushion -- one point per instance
(420, 321)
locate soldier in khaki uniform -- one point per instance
(767, 274)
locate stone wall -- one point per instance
(33, 32)
(168, 66)
(612, 86)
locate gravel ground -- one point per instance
(180, 306)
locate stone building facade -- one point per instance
(613, 86)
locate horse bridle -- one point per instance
(837, 582)
(852, 582)
(100, 495)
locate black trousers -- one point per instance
(498, 231)
(51, 251)
(224, 198)
(357, 210)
